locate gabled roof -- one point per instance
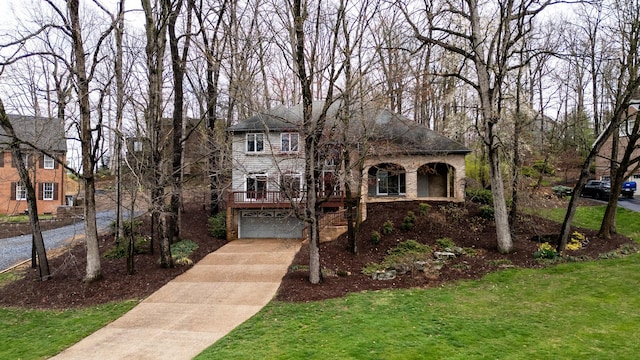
(388, 132)
(43, 133)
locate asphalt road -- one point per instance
(17, 249)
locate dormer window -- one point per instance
(289, 142)
(255, 142)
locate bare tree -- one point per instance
(16, 151)
(490, 43)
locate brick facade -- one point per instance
(49, 184)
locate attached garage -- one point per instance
(270, 224)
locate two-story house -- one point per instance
(603, 160)
(46, 171)
(401, 161)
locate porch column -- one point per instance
(411, 176)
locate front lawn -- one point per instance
(40, 334)
(570, 311)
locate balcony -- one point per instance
(279, 199)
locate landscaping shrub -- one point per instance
(409, 221)
(424, 209)
(121, 249)
(543, 168)
(445, 242)
(387, 227)
(404, 255)
(480, 196)
(218, 225)
(181, 251)
(486, 211)
(375, 237)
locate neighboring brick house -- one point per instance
(46, 172)
(603, 160)
(402, 161)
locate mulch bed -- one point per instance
(461, 223)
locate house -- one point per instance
(46, 171)
(401, 161)
(603, 160)
(138, 150)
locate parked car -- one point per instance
(597, 189)
(628, 188)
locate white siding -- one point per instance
(271, 161)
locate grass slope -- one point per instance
(570, 311)
(39, 334)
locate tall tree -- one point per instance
(313, 126)
(488, 37)
(156, 20)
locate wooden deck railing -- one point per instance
(279, 199)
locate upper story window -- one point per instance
(255, 142)
(289, 142)
(49, 163)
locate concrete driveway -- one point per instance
(197, 308)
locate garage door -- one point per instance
(269, 224)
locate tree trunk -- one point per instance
(38, 247)
(93, 268)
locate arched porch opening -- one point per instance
(436, 180)
(387, 179)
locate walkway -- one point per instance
(197, 308)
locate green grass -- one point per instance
(570, 311)
(23, 218)
(590, 217)
(39, 334)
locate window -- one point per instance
(290, 185)
(49, 163)
(390, 183)
(137, 146)
(257, 186)
(21, 192)
(47, 191)
(289, 142)
(255, 143)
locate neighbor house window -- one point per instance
(21, 192)
(49, 163)
(257, 186)
(289, 142)
(137, 146)
(290, 185)
(255, 142)
(47, 191)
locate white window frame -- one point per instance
(380, 180)
(21, 192)
(288, 144)
(257, 193)
(47, 191)
(48, 162)
(257, 142)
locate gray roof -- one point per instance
(383, 127)
(44, 133)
